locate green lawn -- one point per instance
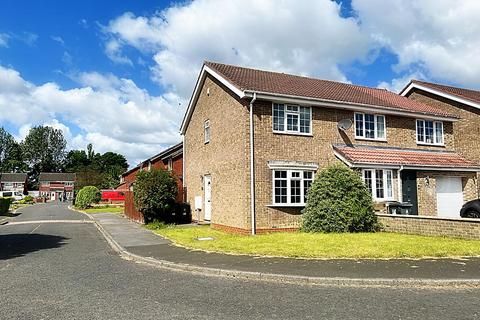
(308, 245)
(104, 209)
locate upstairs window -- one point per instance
(370, 126)
(207, 131)
(292, 119)
(429, 132)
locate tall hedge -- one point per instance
(87, 196)
(154, 192)
(5, 205)
(338, 201)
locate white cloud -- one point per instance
(110, 112)
(439, 38)
(266, 34)
(58, 39)
(4, 39)
(398, 84)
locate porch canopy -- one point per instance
(361, 156)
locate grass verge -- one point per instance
(310, 245)
(104, 209)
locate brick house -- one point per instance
(254, 140)
(170, 159)
(15, 182)
(57, 186)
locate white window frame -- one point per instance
(433, 143)
(375, 129)
(295, 113)
(170, 164)
(385, 173)
(289, 186)
(206, 131)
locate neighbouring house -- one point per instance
(15, 182)
(464, 103)
(254, 140)
(57, 186)
(170, 159)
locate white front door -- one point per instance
(207, 180)
(449, 196)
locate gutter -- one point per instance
(252, 169)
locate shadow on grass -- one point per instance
(18, 245)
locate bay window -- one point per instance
(429, 132)
(292, 119)
(290, 187)
(370, 126)
(379, 182)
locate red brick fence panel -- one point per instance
(431, 226)
(130, 210)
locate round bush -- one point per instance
(87, 196)
(338, 201)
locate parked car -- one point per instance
(12, 194)
(471, 209)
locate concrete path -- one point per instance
(142, 242)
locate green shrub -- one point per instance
(5, 205)
(154, 192)
(28, 199)
(87, 196)
(338, 201)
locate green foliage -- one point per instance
(44, 151)
(87, 196)
(11, 159)
(154, 193)
(95, 169)
(5, 205)
(338, 201)
(157, 225)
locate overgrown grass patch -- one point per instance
(322, 245)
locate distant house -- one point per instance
(57, 186)
(170, 159)
(15, 182)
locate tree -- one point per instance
(154, 192)
(11, 159)
(76, 160)
(44, 151)
(113, 165)
(338, 201)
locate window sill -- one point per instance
(370, 139)
(293, 133)
(430, 144)
(286, 205)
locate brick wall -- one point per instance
(225, 158)
(466, 130)
(431, 226)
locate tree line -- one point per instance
(44, 149)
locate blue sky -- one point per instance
(119, 73)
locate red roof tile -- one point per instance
(472, 95)
(359, 155)
(247, 79)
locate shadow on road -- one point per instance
(17, 245)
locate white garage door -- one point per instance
(449, 196)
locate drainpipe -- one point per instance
(399, 183)
(252, 170)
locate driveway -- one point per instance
(68, 271)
